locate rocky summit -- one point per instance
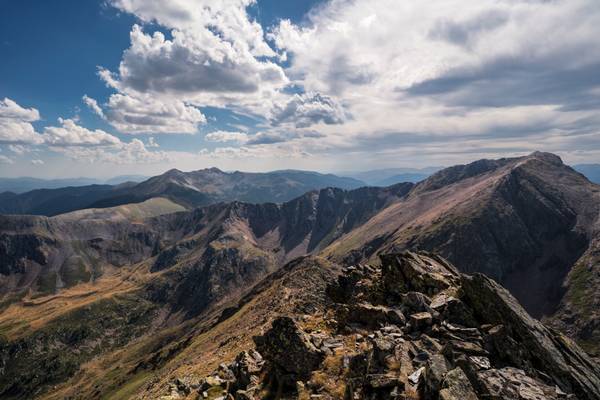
(411, 328)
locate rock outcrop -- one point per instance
(414, 328)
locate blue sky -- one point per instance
(101, 88)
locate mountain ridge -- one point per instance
(191, 269)
(189, 189)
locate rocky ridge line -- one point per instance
(414, 328)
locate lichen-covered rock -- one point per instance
(456, 386)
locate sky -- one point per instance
(111, 87)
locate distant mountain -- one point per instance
(189, 189)
(26, 184)
(591, 171)
(125, 178)
(391, 176)
(405, 177)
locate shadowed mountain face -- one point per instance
(524, 222)
(531, 223)
(189, 189)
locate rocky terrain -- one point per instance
(411, 328)
(188, 189)
(525, 222)
(120, 302)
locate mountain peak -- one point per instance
(173, 172)
(547, 157)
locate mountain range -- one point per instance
(124, 300)
(189, 189)
(26, 184)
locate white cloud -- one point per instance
(304, 110)
(152, 142)
(71, 134)
(227, 136)
(37, 161)
(280, 151)
(190, 64)
(93, 105)
(6, 160)
(434, 74)
(150, 114)
(134, 152)
(18, 149)
(15, 123)
(227, 18)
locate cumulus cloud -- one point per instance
(191, 63)
(149, 114)
(228, 18)
(93, 105)
(152, 142)
(448, 72)
(37, 161)
(71, 134)
(227, 136)
(304, 110)
(213, 55)
(134, 152)
(15, 123)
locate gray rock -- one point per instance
(548, 351)
(456, 386)
(513, 384)
(420, 272)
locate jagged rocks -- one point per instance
(513, 384)
(289, 349)
(520, 339)
(466, 338)
(423, 273)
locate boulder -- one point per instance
(289, 349)
(419, 272)
(456, 386)
(246, 367)
(420, 321)
(453, 310)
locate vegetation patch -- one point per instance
(54, 353)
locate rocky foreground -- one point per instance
(413, 328)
